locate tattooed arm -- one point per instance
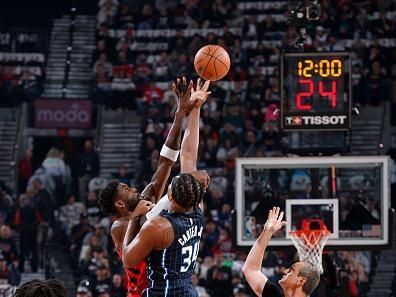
(155, 234)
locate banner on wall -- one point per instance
(54, 113)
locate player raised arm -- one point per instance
(189, 146)
(170, 150)
(252, 267)
(141, 246)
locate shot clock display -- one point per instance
(316, 91)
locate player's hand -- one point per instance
(274, 221)
(202, 176)
(200, 94)
(183, 93)
(142, 208)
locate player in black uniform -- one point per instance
(298, 281)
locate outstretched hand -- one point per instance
(200, 94)
(183, 93)
(274, 221)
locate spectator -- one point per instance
(219, 278)
(8, 248)
(101, 48)
(25, 171)
(103, 91)
(376, 84)
(153, 96)
(45, 178)
(93, 211)
(53, 163)
(116, 288)
(123, 88)
(100, 234)
(44, 205)
(101, 280)
(30, 83)
(6, 204)
(5, 274)
(43, 202)
(88, 167)
(83, 292)
(200, 289)
(103, 292)
(103, 63)
(161, 70)
(77, 236)
(181, 67)
(70, 213)
(13, 268)
(125, 16)
(56, 168)
(123, 175)
(26, 220)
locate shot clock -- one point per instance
(316, 91)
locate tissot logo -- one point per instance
(316, 120)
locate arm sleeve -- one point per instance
(272, 290)
(160, 206)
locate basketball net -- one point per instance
(310, 243)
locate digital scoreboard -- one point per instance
(316, 91)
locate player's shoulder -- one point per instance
(118, 226)
(272, 290)
(157, 223)
(160, 230)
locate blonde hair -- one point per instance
(53, 153)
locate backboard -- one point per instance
(351, 195)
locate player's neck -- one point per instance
(294, 292)
(121, 216)
(174, 207)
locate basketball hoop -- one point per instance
(310, 243)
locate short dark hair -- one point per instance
(41, 288)
(312, 275)
(187, 191)
(107, 196)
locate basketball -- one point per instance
(212, 62)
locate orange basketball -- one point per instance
(212, 62)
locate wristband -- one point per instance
(169, 153)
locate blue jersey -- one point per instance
(169, 271)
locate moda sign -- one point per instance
(53, 113)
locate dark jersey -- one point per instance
(169, 271)
(272, 290)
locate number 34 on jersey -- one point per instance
(190, 252)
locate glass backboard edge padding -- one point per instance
(347, 160)
(239, 203)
